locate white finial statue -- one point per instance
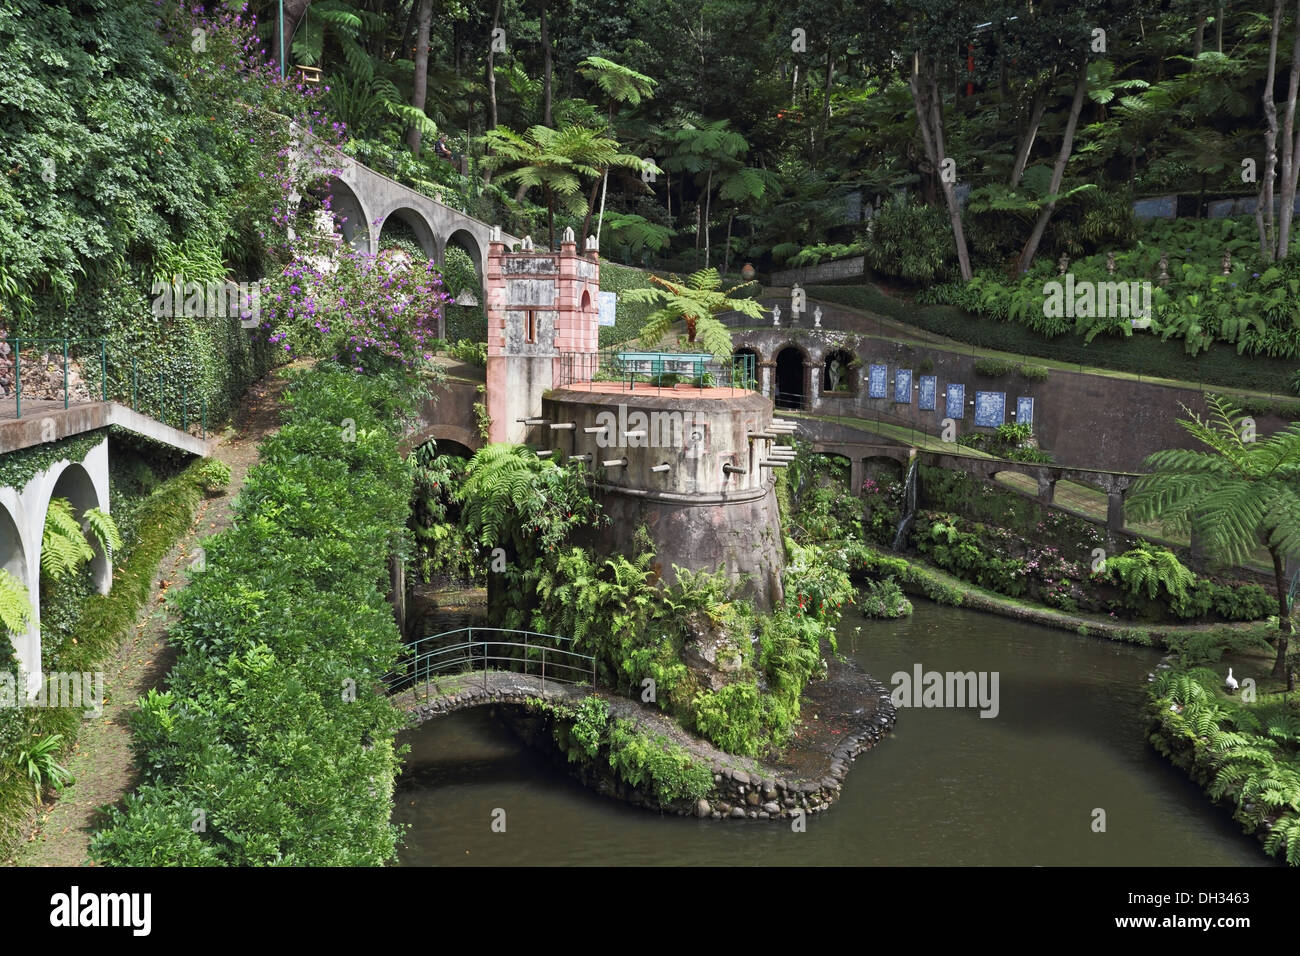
(494, 234)
(568, 235)
(817, 317)
(776, 315)
(590, 244)
(527, 244)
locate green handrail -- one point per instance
(424, 664)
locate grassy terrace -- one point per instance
(1079, 499)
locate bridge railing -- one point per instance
(45, 372)
(486, 649)
(656, 369)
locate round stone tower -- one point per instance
(696, 466)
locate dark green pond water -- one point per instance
(948, 788)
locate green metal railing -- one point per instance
(62, 355)
(657, 369)
(482, 651)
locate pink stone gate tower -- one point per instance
(539, 304)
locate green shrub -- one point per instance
(884, 599)
(993, 368)
(670, 771)
(1246, 754)
(272, 723)
(1033, 373)
(731, 717)
(474, 353)
(911, 241)
(213, 475)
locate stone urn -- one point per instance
(747, 273)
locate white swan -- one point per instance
(1231, 682)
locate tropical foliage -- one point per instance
(697, 303)
(1241, 493)
(263, 681)
(1245, 753)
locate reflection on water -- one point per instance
(948, 788)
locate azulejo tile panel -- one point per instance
(876, 375)
(903, 386)
(929, 385)
(1024, 410)
(990, 409)
(955, 402)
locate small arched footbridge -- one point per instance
(474, 666)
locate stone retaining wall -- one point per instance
(742, 787)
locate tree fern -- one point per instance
(102, 526)
(64, 548)
(15, 603)
(1285, 832)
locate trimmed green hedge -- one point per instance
(158, 522)
(628, 317)
(1143, 354)
(274, 744)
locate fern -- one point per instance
(102, 526)
(65, 547)
(15, 603)
(1285, 832)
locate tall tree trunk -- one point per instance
(826, 103)
(421, 82)
(1264, 209)
(550, 218)
(600, 217)
(591, 207)
(929, 119)
(546, 68)
(1036, 109)
(491, 68)
(1218, 28)
(1198, 40)
(708, 198)
(668, 192)
(1283, 614)
(726, 259)
(1289, 153)
(1058, 173)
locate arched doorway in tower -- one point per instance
(790, 391)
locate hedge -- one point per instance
(159, 521)
(628, 317)
(1143, 354)
(274, 744)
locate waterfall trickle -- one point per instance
(909, 506)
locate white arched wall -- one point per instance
(411, 218)
(473, 247)
(85, 485)
(16, 558)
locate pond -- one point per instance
(947, 788)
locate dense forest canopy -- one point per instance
(967, 149)
(773, 123)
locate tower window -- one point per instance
(530, 327)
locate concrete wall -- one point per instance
(22, 522)
(1085, 420)
(822, 272)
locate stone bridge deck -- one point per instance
(743, 787)
(49, 421)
